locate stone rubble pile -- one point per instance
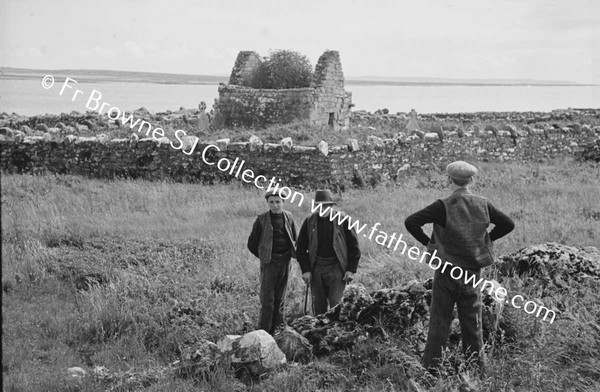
(403, 311)
(555, 268)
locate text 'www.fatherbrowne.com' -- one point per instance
(394, 242)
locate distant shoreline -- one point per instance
(103, 76)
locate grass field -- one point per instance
(149, 244)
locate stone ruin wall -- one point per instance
(245, 106)
(328, 80)
(244, 67)
(309, 167)
(324, 103)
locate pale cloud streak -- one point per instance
(540, 39)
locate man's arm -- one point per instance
(433, 213)
(353, 249)
(302, 248)
(254, 238)
(502, 223)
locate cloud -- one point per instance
(178, 51)
(133, 48)
(30, 51)
(99, 52)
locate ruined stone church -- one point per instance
(325, 102)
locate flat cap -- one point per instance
(461, 170)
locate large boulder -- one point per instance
(257, 352)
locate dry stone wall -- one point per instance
(299, 166)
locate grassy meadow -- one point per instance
(151, 247)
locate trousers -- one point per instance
(327, 284)
(273, 284)
(446, 292)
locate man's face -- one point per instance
(275, 204)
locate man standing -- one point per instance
(273, 241)
(328, 253)
(460, 236)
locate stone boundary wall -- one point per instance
(245, 106)
(304, 167)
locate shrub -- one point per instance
(283, 69)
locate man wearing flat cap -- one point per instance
(460, 236)
(327, 252)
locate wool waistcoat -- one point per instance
(464, 241)
(265, 246)
(339, 242)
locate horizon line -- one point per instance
(350, 79)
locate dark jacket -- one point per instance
(260, 241)
(345, 245)
(460, 224)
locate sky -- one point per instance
(476, 39)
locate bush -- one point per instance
(283, 69)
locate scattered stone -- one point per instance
(431, 136)
(203, 352)
(287, 144)
(88, 124)
(70, 139)
(227, 343)
(84, 139)
(402, 170)
(223, 143)
(25, 129)
(295, 346)
(41, 127)
(323, 148)
(375, 141)
(440, 132)
(61, 126)
(255, 143)
(257, 352)
(575, 127)
(76, 372)
(492, 129)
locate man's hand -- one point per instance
(306, 277)
(348, 277)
